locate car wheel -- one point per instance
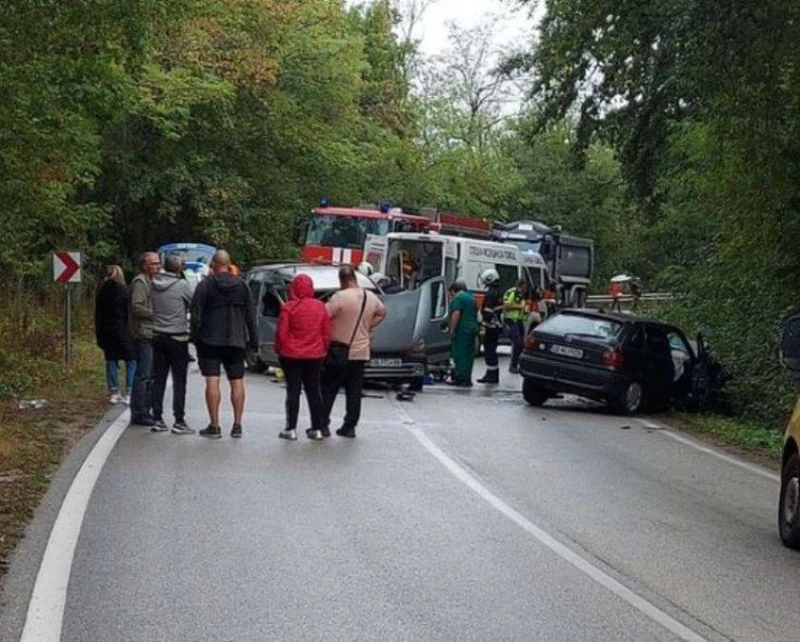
(789, 505)
(631, 400)
(533, 394)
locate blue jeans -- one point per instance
(142, 395)
(112, 367)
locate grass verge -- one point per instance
(750, 440)
(33, 441)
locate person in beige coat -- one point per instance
(354, 313)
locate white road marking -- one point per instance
(719, 455)
(46, 608)
(584, 566)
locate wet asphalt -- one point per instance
(377, 539)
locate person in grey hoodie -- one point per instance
(140, 323)
(172, 298)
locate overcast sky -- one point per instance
(515, 28)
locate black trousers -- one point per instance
(516, 333)
(170, 355)
(490, 340)
(305, 374)
(352, 378)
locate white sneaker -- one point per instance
(126, 399)
(116, 398)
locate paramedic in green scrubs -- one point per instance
(463, 330)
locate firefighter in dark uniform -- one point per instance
(492, 323)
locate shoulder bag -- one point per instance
(338, 351)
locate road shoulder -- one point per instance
(24, 561)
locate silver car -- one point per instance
(411, 341)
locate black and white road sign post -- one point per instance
(67, 270)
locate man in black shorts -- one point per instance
(223, 327)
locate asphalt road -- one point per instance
(458, 516)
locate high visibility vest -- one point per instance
(511, 296)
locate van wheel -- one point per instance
(630, 401)
(789, 505)
(533, 394)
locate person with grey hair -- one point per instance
(140, 321)
(172, 298)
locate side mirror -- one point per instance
(790, 343)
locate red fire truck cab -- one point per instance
(337, 234)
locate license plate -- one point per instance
(386, 363)
(564, 351)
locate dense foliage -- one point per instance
(699, 102)
(666, 130)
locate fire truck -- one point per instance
(337, 234)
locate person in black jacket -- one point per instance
(113, 335)
(492, 323)
(223, 326)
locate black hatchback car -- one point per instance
(628, 362)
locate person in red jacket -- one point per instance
(302, 340)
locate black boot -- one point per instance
(491, 376)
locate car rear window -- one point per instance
(584, 327)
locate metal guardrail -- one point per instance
(600, 299)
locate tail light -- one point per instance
(613, 360)
(531, 343)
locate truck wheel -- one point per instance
(630, 401)
(789, 505)
(533, 394)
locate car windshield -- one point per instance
(197, 255)
(526, 246)
(350, 232)
(585, 327)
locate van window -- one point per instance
(438, 301)
(508, 276)
(535, 281)
(450, 270)
(410, 263)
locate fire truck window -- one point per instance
(344, 231)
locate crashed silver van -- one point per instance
(398, 345)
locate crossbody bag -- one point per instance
(338, 351)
